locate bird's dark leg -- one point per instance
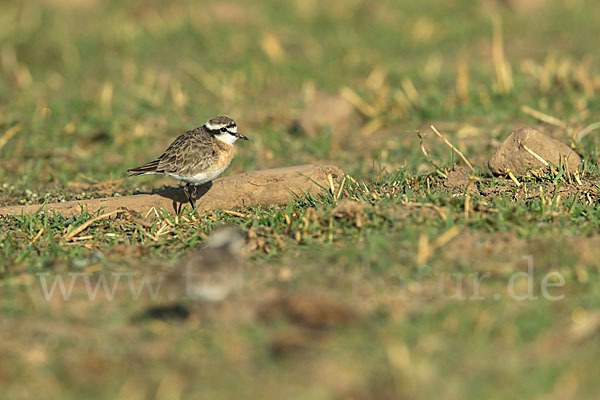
(190, 191)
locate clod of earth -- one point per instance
(334, 112)
(458, 180)
(348, 209)
(255, 188)
(351, 210)
(527, 149)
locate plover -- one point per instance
(210, 275)
(198, 156)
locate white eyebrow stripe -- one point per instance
(232, 129)
(213, 127)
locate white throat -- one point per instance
(227, 138)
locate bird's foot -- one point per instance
(190, 192)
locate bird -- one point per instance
(215, 271)
(197, 156)
(209, 275)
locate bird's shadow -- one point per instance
(178, 197)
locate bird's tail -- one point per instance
(148, 168)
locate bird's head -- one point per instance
(224, 129)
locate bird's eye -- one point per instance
(223, 129)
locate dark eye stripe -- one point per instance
(224, 129)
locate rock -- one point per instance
(512, 155)
(325, 110)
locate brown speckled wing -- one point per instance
(188, 155)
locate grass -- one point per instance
(406, 295)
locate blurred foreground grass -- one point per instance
(90, 88)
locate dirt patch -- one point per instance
(230, 13)
(523, 7)
(458, 180)
(73, 3)
(128, 251)
(350, 210)
(293, 339)
(532, 190)
(527, 149)
(308, 310)
(96, 189)
(309, 313)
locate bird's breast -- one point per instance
(222, 154)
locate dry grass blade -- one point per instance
(154, 238)
(577, 179)
(504, 79)
(372, 126)
(462, 80)
(537, 156)
(441, 212)
(468, 199)
(9, 134)
(331, 186)
(234, 213)
(339, 194)
(272, 47)
(150, 211)
(512, 177)
(353, 180)
(446, 237)
(38, 235)
(428, 157)
(457, 151)
(587, 130)
(549, 119)
(411, 92)
(79, 238)
(361, 105)
(425, 248)
(84, 226)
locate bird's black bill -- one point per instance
(240, 136)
